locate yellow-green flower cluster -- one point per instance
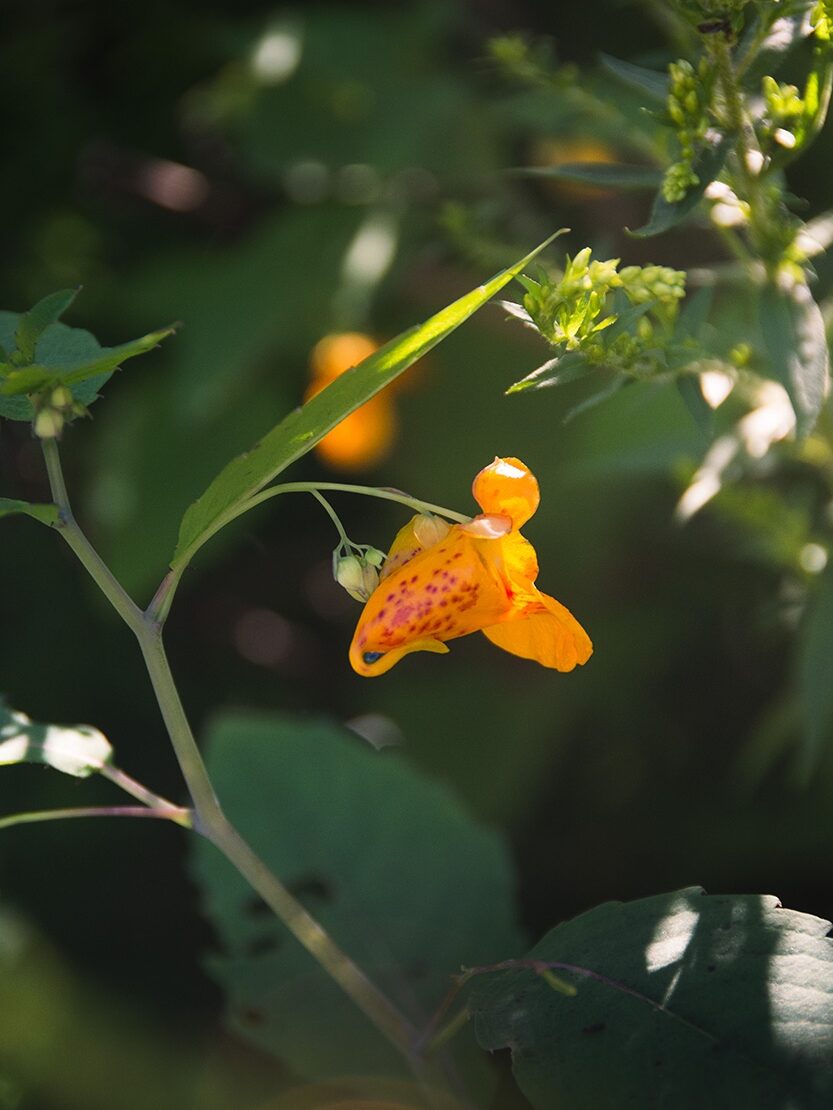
(572, 313)
(689, 95)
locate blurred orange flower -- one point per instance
(366, 436)
(441, 581)
(563, 151)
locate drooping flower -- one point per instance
(441, 581)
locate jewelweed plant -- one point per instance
(685, 999)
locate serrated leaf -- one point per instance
(69, 371)
(666, 214)
(34, 322)
(608, 175)
(63, 354)
(299, 432)
(796, 349)
(815, 688)
(77, 750)
(683, 1000)
(701, 412)
(46, 514)
(648, 81)
(390, 865)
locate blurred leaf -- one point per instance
(648, 81)
(32, 323)
(46, 514)
(698, 407)
(815, 685)
(708, 164)
(618, 382)
(404, 880)
(685, 1000)
(783, 34)
(299, 432)
(796, 348)
(71, 356)
(609, 175)
(78, 750)
(816, 235)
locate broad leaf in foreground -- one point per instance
(400, 876)
(683, 1000)
(299, 432)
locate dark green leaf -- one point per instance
(698, 407)
(63, 368)
(34, 322)
(815, 686)
(46, 514)
(299, 432)
(666, 214)
(796, 349)
(608, 175)
(71, 356)
(648, 81)
(695, 311)
(683, 1000)
(616, 384)
(405, 881)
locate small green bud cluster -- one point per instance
(784, 110)
(358, 573)
(689, 96)
(573, 313)
(653, 283)
(822, 19)
(54, 408)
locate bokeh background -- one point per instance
(268, 177)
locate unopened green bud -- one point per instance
(374, 557)
(356, 577)
(60, 397)
(48, 424)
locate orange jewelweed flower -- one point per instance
(366, 436)
(441, 581)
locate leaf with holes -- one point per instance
(684, 1000)
(388, 862)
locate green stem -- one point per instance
(135, 789)
(208, 818)
(177, 814)
(160, 606)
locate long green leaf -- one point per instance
(683, 1000)
(606, 175)
(796, 346)
(648, 81)
(815, 688)
(302, 429)
(46, 514)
